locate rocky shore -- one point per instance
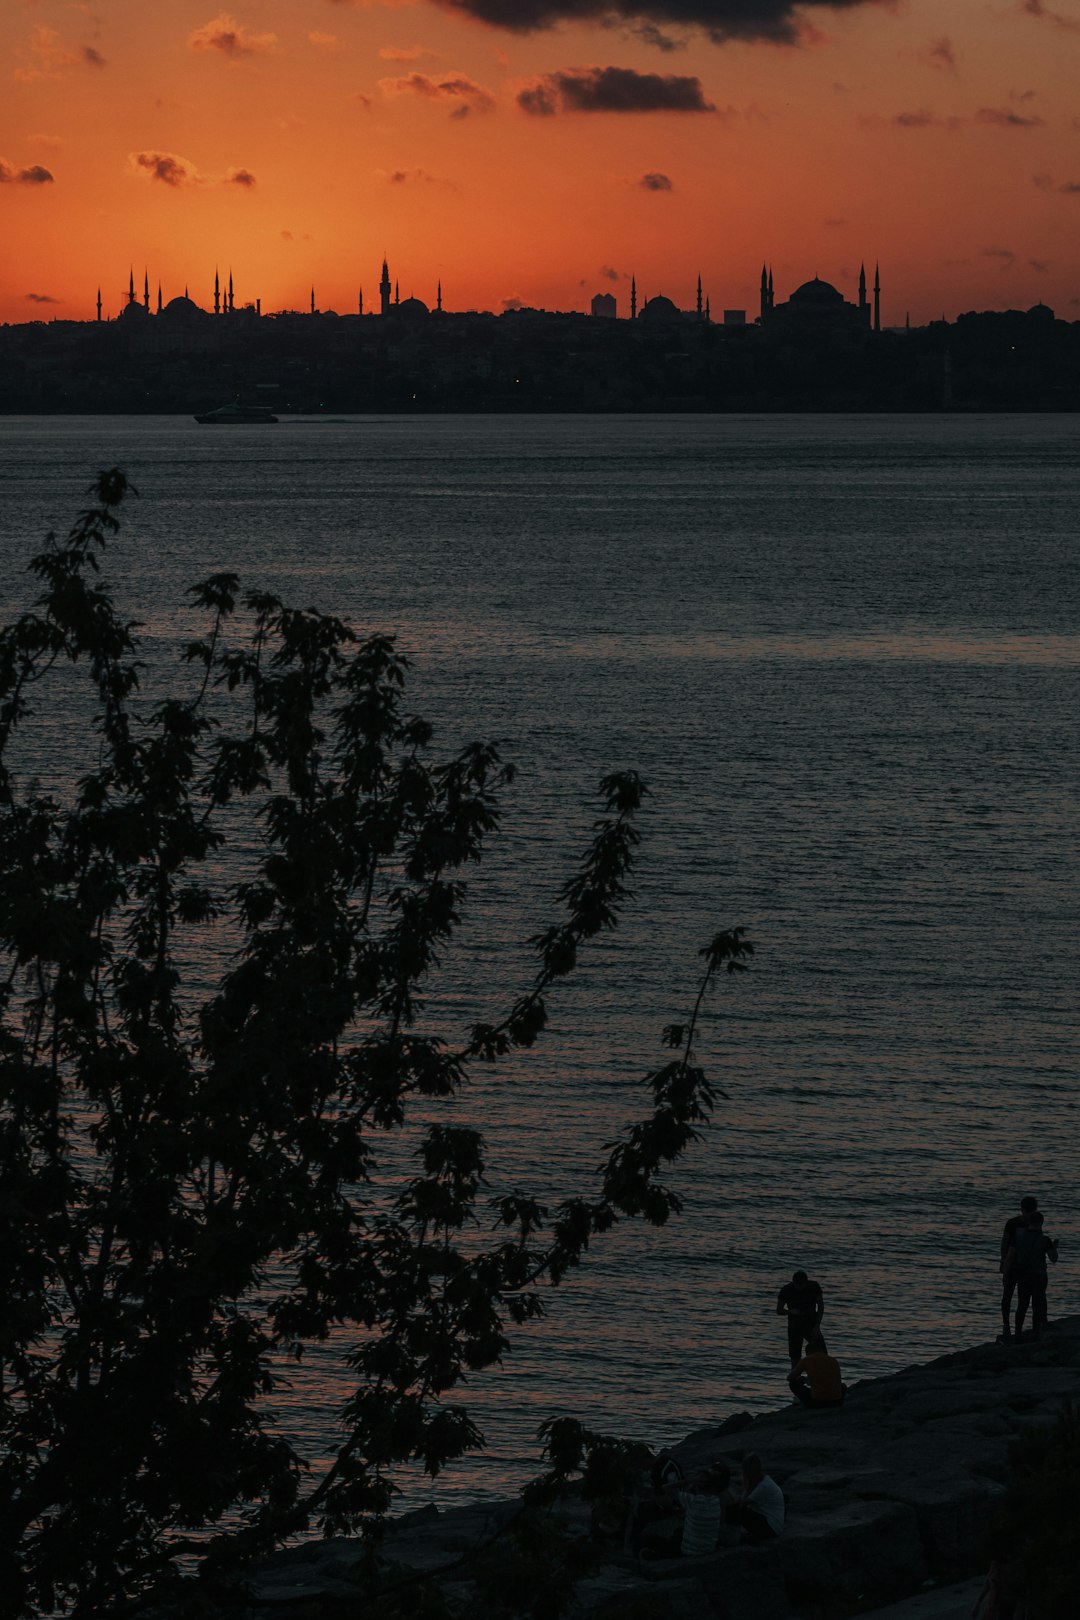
(888, 1496)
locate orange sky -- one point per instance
(296, 140)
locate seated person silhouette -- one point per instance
(761, 1509)
(815, 1379)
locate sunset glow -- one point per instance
(294, 142)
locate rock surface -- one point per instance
(888, 1496)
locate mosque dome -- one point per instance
(659, 309)
(182, 308)
(817, 292)
(134, 312)
(1041, 312)
(411, 308)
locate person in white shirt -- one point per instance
(760, 1513)
(703, 1507)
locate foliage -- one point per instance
(193, 1188)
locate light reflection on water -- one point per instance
(844, 654)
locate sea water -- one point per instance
(844, 652)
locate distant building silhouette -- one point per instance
(604, 304)
(817, 307)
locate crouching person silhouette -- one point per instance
(815, 1380)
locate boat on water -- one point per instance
(227, 414)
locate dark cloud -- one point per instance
(40, 298)
(776, 20)
(515, 303)
(613, 89)
(465, 93)
(1005, 118)
(35, 175)
(609, 274)
(164, 166)
(1066, 188)
(240, 177)
(655, 181)
(1041, 265)
(1006, 256)
(92, 58)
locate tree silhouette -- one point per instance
(190, 1190)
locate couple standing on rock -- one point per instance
(1025, 1249)
(815, 1375)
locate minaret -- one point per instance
(633, 298)
(146, 292)
(708, 313)
(863, 304)
(877, 298)
(397, 292)
(159, 297)
(699, 297)
(313, 298)
(217, 293)
(99, 303)
(772, 295)
(131, 285)
(230, 293)
(384, 289)
(438, 298)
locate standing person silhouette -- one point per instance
(1007, 1267)
(1032, 1249)
(803, 1303)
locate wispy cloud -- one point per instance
(407, 53)
(414, 177)
(1064, 188)
(1058, 19)
(50, 56)
(940, 53)
(921, 119)
(463, 93)
(231, 39)
(656, 181)
(1005, 118)
(41, 298)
